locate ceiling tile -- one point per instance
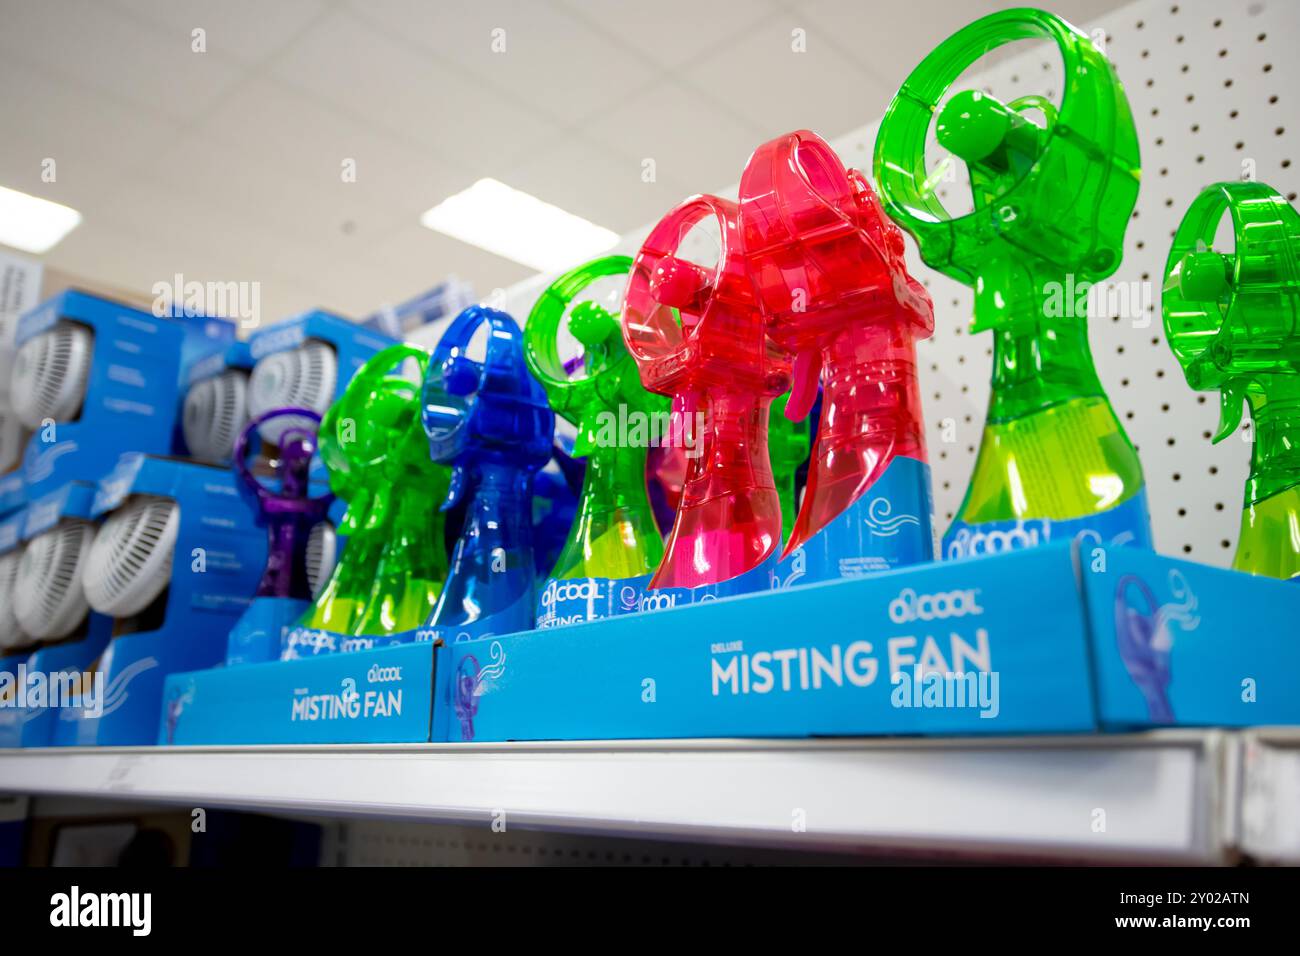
(245, 30)
(416, 258)
(670, 33)
(343, 61)
(691, 142)
(94, 44)
(551, 60)
(591, 180)
(279, 155)
(820, 89)
(43, 116)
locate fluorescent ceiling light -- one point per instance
(520, 227)
(32, 224)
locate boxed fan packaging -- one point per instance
(215, 404)
(443, 302)
(53, 636)
(94, 378)
(13, 491)
(175, 562)
(307, 361)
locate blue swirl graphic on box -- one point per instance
(264, 631)
(890, 526)
(1127, 524)
(1146, 640)
(471, 679)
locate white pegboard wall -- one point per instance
(1213, 90)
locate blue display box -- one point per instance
(133, 391)
(1040, 641)
(1050, 640)
(353, 344)
(13, 492)
(219, 557)
(383, 695)
(26, 719)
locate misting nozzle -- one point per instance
(680, 284)
(591, 324)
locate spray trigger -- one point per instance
(1231, 396)
(805, 372)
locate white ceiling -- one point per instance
(226, 165)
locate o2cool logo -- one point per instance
(632, 598)
(562, 592)
(910, 606)
(967, 542)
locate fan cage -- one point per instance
(130, 561)
(215, 410)
(51, 372)
(49, 602)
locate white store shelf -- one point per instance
(1156, 797)
(1268, 777)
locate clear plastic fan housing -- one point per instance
(490, 421)
(698, 337)
(1052, 190)
(130, 560)
(828, 269)
(50, 374)
(49, 600)
(11, 635)
(389, 405)
(302, 377)
(1049, 199)
(1233, 322)
(614, 534)
(215, 410)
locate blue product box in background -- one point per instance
(13, 492)
(26, 723)
(353, 344)
(234, 357)
(443, 301)
(132, 392)
(219, 559)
